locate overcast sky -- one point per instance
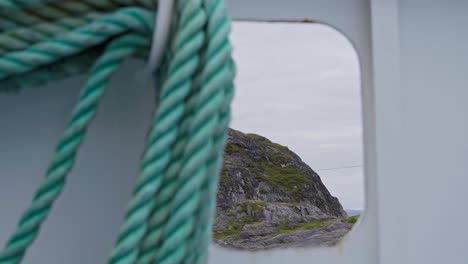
(298, 85)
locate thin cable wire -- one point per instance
(340, 168)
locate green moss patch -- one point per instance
(255, 205)
(352, 220)
(277, 171)
(254, 136)
(279, 157)
(235, 226)
(267, 143)
(288, 179)
(223, 178)
(284, 226)
(232, 148)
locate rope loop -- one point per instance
(170, 214)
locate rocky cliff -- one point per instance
(269, 197)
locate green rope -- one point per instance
(170, 214)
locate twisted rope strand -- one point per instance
(45, 13)
(170, 214)
(179, 226)
(163, 135)
(204, 125)
(23, 37)
(218, 30)
(66, 151)
(76, 41)
(161, 206)
(73, 6)
(207, 205)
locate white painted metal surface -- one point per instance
(414, 65)
(353, 19)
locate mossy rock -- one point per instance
(255, 205)
(286, 228)
(267, 143)
(232, 148)
(353, 219)
(288, 179)
(224, 178)
(234, 228)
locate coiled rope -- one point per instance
(170, 214)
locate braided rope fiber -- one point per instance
(170, 214)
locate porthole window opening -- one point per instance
(293, 164)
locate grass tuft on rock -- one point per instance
(352, 220)
(255, 205)
(232, 231)
(223, 178)
(277, 171)
(232, 149)
(267, 143)
(284, 227)
(288, 179)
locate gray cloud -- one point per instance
(298, 84)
